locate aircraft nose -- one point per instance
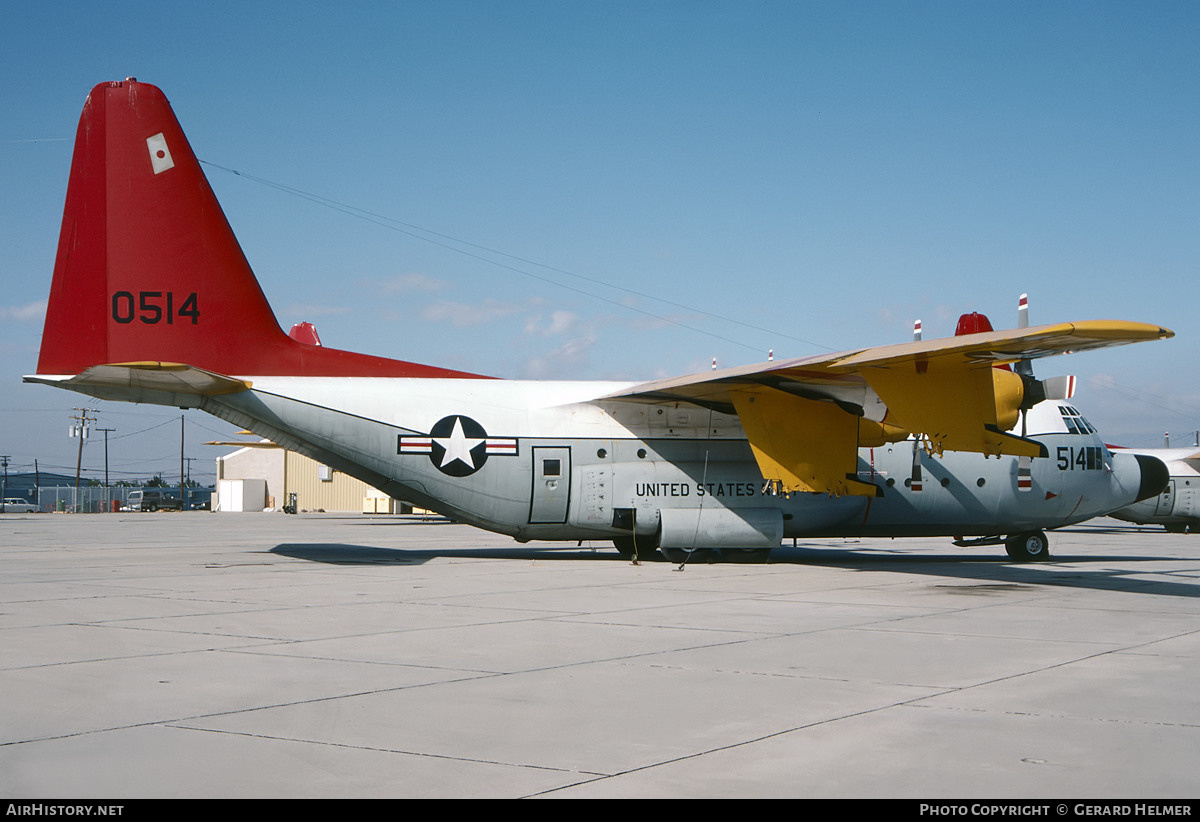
(1154, 476)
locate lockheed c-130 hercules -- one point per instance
(153, 301)
(1177, 506)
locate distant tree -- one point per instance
(156, 482)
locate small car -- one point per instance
(16, 505)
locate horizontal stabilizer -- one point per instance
(121, 379)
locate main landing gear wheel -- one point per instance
(693, 556)
(746, 555)
(677, 556)
(648, 553)
(644, 549)
(1031, 546)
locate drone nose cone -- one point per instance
(1154, 476)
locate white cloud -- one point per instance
(411, 282)
(564, 362)
(24, 313)
(462, 315)
(560, 322)
(307, 312)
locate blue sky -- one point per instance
(627, 190)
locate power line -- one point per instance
(445, 241)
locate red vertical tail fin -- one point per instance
(148, 268)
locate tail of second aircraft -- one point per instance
(148, 268)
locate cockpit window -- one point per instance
(1075, 422)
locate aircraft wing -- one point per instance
(806, 418)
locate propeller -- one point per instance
(1051, 388)
(1033, 391)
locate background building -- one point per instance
(317, 487)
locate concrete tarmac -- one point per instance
(264, 655)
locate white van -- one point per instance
(153, 500)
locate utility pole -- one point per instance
(181, 456)
(81, 431)
(107, 495)
(4, 458)
(187, 490)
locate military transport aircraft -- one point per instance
(153, 301)
(1177, 508)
